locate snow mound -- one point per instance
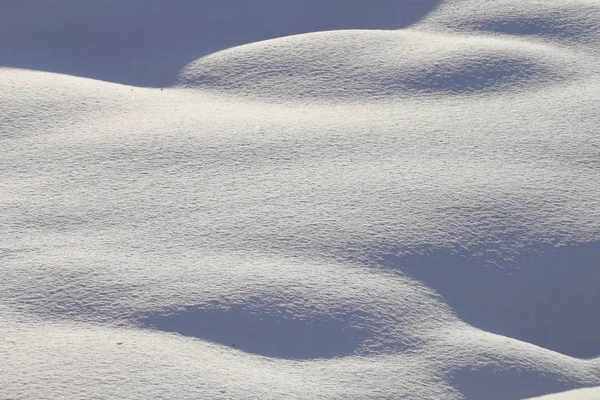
(366, 65)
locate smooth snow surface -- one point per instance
(580, 394)
(279, 199)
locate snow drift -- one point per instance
(299, 199)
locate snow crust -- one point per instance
(299, 199)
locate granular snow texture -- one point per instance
(299, 199)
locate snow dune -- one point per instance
(299, 199)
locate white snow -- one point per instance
(299, 199)
(580, 394)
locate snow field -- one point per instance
(360, 213)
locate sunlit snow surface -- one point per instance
(299, 199)
(579, 394)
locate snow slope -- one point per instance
(299, 199)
